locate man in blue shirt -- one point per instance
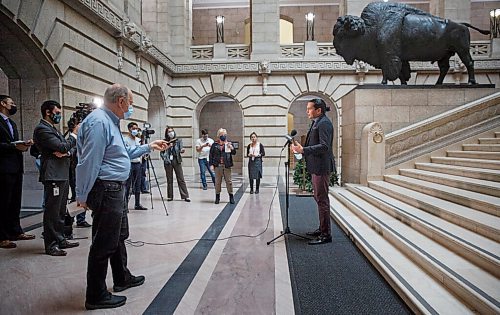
(102, 170)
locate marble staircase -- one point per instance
(433, 231)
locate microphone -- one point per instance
(289, 138)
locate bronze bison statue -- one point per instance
(390, 35)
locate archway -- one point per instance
(157, 112)
(30, 78)
(221, 111)
(157, 119)
(297, 119)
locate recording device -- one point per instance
(147, 131)
(81, 112)
(174, 140)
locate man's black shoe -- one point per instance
(145, 192)
(133, 282)
(65, 244)
(55, 251)
(140, 207)
(315, 233)
(83, 224)
(111, 301)
(321, 240)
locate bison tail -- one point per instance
(484, 32)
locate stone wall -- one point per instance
(82, 57)
(234, 25)
(480, 17)
(325, 18)
(394, 108)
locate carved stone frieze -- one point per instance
(104, 12)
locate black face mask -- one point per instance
(12, 110)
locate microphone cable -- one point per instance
(142, 243)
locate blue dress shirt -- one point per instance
(101, 152)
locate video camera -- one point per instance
(82, 111)
(147, 132)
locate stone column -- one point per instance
(180, 25)
(265, 25)
(155, 22)
(456, 10)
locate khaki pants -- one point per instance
(221, 171)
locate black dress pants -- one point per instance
(56, 199)
(11, 187)
(109, 232)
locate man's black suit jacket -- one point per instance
(11, 159)
(318, 147)
(49, 140)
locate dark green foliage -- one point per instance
(302, 178)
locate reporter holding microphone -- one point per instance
(320, 163)
(221, 161)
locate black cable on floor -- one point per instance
(142, 243)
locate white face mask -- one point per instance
(171, 134)
(134, 132)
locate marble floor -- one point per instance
(238, 274)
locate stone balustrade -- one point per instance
(442, 130)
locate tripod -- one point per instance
(148, 162)
(287, 196)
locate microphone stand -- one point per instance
(287, 196)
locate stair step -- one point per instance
(495, 140)
(491, 164)
(480, 250)
(474, 155)
(470, 172)
(481, 147)
(497, 134)
(470, 184)
(485, 203)
(421, 292)
(473, 285)
(479, 222)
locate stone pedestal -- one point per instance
(219, 51)
(311, 49)
(372, 153)
(394, 107)
(495, 47)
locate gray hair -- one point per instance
(114, 92)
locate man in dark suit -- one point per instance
(320, 163)
(11, 176)
(54, 174)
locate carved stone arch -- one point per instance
(220, 110)
(298, 118)
(29, 77)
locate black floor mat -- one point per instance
(333, 278)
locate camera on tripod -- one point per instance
(147, 131)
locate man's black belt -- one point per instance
(111, 181)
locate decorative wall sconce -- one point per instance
(310, 26)
(219, 27)
(495, 23)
